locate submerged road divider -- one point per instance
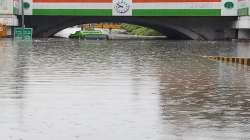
(238, 60)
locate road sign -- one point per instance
(23, 33)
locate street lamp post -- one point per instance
(23, 26)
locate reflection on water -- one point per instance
(156, 90)
(243, 49)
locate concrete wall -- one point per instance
(243, 7)
(134, 8)
(243, 22)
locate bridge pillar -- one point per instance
(243, 27)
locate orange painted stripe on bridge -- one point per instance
(73, 1)
(145, 1)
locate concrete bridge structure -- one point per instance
(178, 19)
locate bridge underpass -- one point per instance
(177, 19)
(197, 28)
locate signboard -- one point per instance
(25, 34)
(229, 7)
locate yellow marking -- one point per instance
(236, 60)
(108, 26)
(248, 61)
(210, 57)
(225, 59)
(243, 61)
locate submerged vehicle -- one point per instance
(89, 35)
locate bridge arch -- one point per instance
(196, 28)
(49, 25)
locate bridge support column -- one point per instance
(244, 34)
(243, 27)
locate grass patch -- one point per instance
(139, 30)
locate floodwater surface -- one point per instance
(58, 89)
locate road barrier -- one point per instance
(108, 26)
(102, 25)
(238, 60)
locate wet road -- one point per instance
(59, 89)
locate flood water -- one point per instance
(55, 89)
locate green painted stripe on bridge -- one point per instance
(176, 12)
(243, 11)
(74, 12)
(136, 12)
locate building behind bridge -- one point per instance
(9, 9)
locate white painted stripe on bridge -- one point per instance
(186, 5)
(72, 5)
(197, 5)
(29, 10)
